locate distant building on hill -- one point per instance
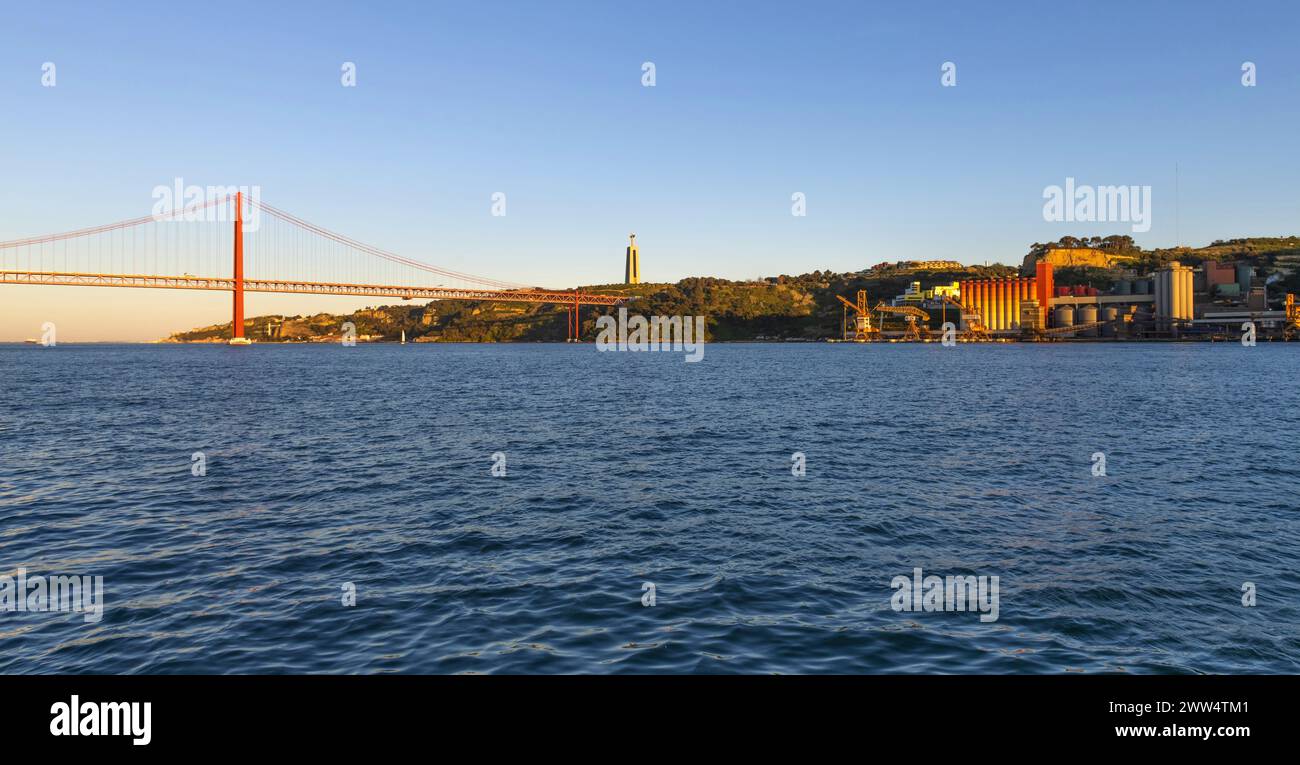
(908, 266)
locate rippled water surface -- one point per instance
(372, 465)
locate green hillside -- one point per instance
(776, 308)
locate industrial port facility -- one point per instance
(1214, 301)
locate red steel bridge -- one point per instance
(184, 249)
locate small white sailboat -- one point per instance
(403, 337)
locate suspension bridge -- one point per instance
(236, 243)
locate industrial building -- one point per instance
(1176, 301)
(1212, 301)
(914, 295)
(1001, 303)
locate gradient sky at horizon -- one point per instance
(543, 101)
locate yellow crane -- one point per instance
(917, 320)
(862, 329)
(975, 329)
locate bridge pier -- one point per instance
(237, 318)
(575, 321)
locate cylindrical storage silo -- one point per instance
(1124, 287)
(1007, 300)
(987, 311)
(1034, 294)
(1063, 316)
(1086, 314)
(1161, 292)
(1141, 287)
(986, 302)
(991, 315)
(998, 294)
(990, 303)
(1020, 304)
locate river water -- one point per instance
(328, 471)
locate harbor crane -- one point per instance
(862, 328)
(975, 330)
(917, 320)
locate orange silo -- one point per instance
(1031, 289)
(1020, 295)
(1009, 308)
(1013, 295)
(987, 306)
(995, 303)
(1013, 304)
(1004, 303)
(995, 308)
(986, 301)
(990, 296)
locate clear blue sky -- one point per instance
(543, 101)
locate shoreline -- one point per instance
(831, 341)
